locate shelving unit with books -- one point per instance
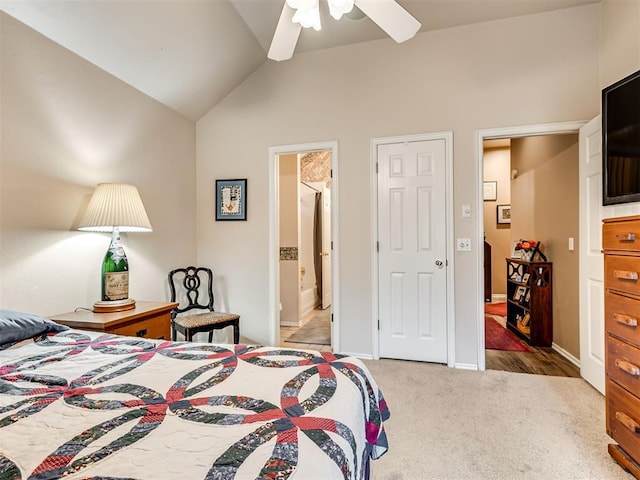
(529, 307)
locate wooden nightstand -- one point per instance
(148, 319)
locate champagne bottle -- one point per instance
(115, 271)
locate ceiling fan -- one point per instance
(296, 14)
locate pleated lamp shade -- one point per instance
(115, 205)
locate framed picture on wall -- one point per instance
(489, 191)
(503, 213)
(515, 251)
(231, 199)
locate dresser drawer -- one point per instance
(157, 327)
(623, 364)
(622, 273)
(623, 235)
(622, 316)
(623, 419)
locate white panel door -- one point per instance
(412, 266)
(592, 355)
(326, 247)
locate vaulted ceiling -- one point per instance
(190, 54)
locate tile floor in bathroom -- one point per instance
(285, 332)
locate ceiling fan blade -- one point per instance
(390, 17)
(285, 37)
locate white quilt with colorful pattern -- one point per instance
(80, 405)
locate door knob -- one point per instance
(439, 263)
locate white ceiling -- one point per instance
(189, 54)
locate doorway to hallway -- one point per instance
(536, 219)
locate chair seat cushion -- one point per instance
(198, 320)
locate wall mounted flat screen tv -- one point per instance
(621, 141)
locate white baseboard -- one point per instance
(284, 323)
(566, 355)
(466, 366)
(361, 356)
(499, 297)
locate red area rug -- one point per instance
(496, 308)
(496, 337)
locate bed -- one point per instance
(77, 404)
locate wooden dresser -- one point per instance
(621, 243)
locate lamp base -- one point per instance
(109, 306)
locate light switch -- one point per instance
(571, 247)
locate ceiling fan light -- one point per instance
(308, 16)
(337, 8)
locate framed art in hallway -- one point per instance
(515, 251)
(503, 213)
(489, 191)
(231, 199)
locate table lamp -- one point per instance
(115, 208)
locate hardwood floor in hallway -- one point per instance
(541, 361)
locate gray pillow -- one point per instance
(16, 326)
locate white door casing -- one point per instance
(481, 136)
(592, 356)
(412, 244)
(274, 242)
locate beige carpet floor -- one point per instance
(455, 424)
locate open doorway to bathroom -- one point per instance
(304, 211)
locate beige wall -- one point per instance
(497, 167)
(438, 81)
(620, 40)
(66, 126)
(619, 57)
(544, 207)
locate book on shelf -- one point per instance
(522, 324)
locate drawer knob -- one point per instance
(626, 237)
(628, 422)
(628, 367)
(625, 275)
(627, 320)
